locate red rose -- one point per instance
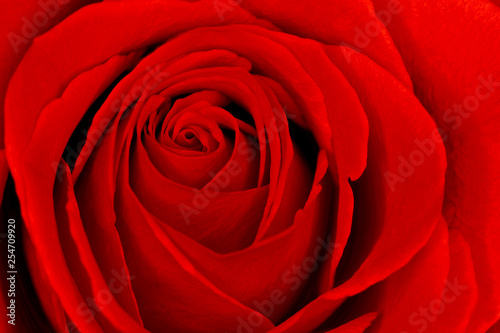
(221, 166)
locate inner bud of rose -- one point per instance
(208, 151)
(204, 155)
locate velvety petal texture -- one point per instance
(250, 166)
(459, 86)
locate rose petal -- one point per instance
(416, 299)
(461, 285)
(449, 69)
(410, 212)
(275, 267)
(20, 28)
(338, 22)
(101, 295)
(156, 275)
(44, 235)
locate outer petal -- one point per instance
(459, 295)
(435, 292)
(416, 285)
(29, 315)
(341, 22)
(22, 21)
(450, 49)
